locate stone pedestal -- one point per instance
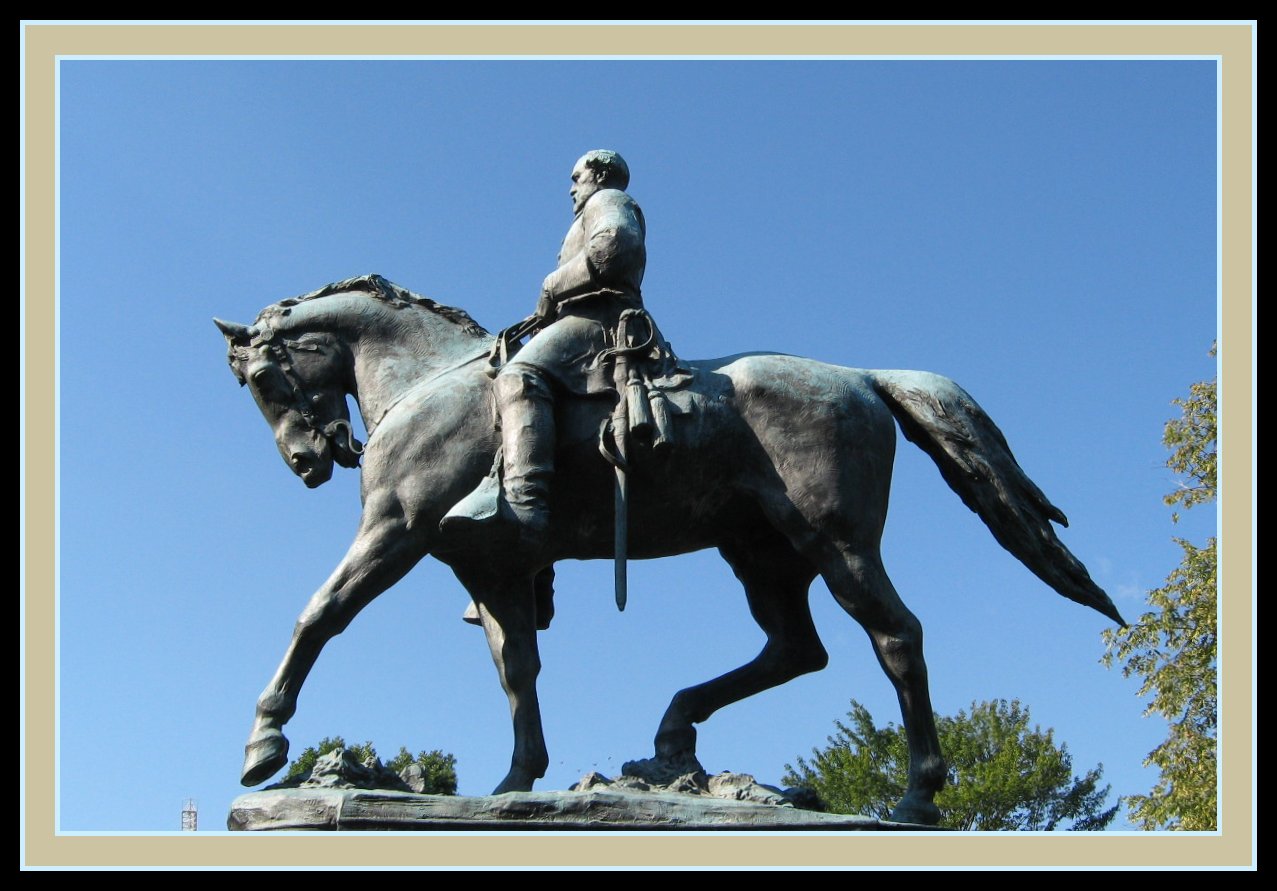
(594, 810)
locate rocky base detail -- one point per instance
(653, 775)
(649, 796)
(364, 810)
(341, 769)
(342, 793)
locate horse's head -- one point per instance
(300, 384)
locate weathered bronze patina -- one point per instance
(782, 463)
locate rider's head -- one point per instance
(599, 169)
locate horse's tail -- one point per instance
(944, 421)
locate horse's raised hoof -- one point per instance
(922, 813)
(264, 755)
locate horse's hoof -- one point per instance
(677, 743)
(663, 770)
(265, 754)
(922, 813)
(515, 781)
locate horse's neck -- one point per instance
(400, 354)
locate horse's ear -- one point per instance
(236, 334)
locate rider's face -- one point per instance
(585, 182)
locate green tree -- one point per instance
(1173, 646)
(1002, 775)
(305, 762)
(439, 770)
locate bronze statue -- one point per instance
(599, 274)
(782, 463)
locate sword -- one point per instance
(631, 417)
(620, 437)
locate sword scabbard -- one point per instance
(621, 436)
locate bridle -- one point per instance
(304, 402)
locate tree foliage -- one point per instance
(305, 762)
(1002, 775)
(1173, 646)
(439, 770)
(1192, 441)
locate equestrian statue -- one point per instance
(594, 440)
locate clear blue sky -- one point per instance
(1043, 232)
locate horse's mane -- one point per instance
(379, 288)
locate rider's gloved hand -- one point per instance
(546, 310)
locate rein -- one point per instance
(303, 402)
(497, 355)
(434, 377)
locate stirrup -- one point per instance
(480, 506)
(483, 504)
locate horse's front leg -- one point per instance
(382, 553)
(507, 609)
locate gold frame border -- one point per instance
(1234, 46)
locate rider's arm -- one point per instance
(613, 257)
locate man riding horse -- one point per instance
(600, 269)
(786, 471)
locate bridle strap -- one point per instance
(303, 402)
(455, 366)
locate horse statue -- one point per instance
(782, 463)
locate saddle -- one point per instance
(639, 370)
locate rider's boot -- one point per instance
(526, 406)
(520, 516)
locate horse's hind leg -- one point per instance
(776, 580)
(860, 585)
